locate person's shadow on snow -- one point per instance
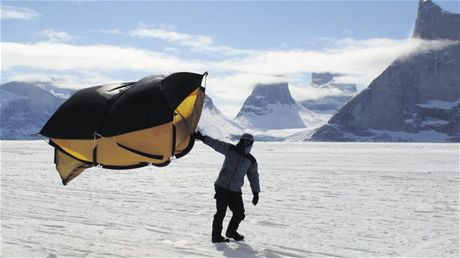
(242, 250)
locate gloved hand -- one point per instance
(255, 198)
(198, 135)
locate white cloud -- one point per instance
(56, 36)
(230, 81)
(195, 42)
(59, 56)
(301, 92)
(238, 86)
(110, 31)
(173, 36)
(360, 61)
(18, 13)
(363, 60)
(65, 80)
(32, 77)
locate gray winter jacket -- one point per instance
(235, 167)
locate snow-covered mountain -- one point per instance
(340, 93)
(26, 106)
(271, 106)
(416, 98)
(214, 123)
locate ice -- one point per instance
(318, 199)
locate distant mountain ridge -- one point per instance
(415, 98)
(26, 106)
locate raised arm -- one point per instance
(219, 146)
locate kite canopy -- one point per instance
(127, 125)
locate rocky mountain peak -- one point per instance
(435, 23)
(271, 106)
(276, 93)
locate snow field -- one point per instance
(318, 199)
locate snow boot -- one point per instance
(234, 235)
(219, 239)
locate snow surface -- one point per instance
(303, 135)
(281, 116)
(438, 104)
(271, 116)
(420, 136)
(318, 199)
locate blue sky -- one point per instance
(80, 44)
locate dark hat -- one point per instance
(247, 139)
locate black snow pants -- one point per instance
(234, 201)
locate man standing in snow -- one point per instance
(238, 163)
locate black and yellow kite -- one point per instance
(127, 125)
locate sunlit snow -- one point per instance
(318, 199)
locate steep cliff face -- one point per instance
(415, 98)
(435, 23)
(271, 106)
